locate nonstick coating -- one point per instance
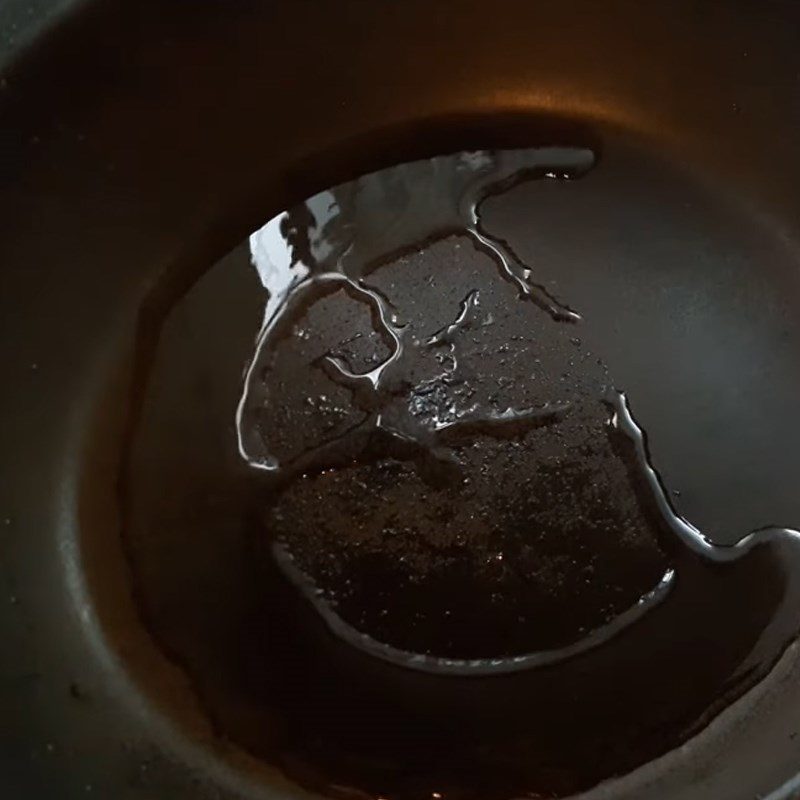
(140, 141)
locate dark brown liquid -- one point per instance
(440, 561)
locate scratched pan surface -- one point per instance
(141, 142)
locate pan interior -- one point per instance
(688, 299)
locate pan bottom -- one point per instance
(687, 298)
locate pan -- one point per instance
(142, 143)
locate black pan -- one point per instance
(139, 142)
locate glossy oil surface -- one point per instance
(432, 516)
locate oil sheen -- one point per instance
(447, 565)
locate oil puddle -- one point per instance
(443, 562)
(416, 564)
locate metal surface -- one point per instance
(140, 138)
